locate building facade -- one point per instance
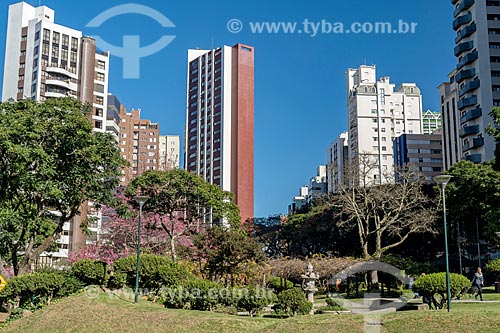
(431, 121)
(299, 201)
(420, 153)
(44, 59)
(169, 152)
(338, 159)
(476, 79)
(377, 114)
(219, 134)
(139, 144)
(450, 122)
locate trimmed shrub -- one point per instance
(34, 291)
(155, 272)
(433, 287)
(279, 284)
(195, 294)
(334, 305)
(292, 302)
(254, 300)
(493, 267)
(91, 272)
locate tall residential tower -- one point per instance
(474, 85)
(378, 113)
(219, 138)
(44, 59)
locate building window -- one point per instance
(99, 100)
(99, 76)
(101, 64)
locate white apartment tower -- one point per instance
(378, 113)
(169, 152)
(44, 59)
(338, 157)
(474, 85)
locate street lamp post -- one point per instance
(442, 180)
(140, 199)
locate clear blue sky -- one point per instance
(300, 104)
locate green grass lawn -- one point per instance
(110, 314)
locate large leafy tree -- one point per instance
(183, 202)
(473, 197)
(494, 130)
(223, 252)
(51, 162)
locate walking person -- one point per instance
(478, 282)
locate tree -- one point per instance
(51, 162)
(385, 215)
(182, 201)
(494, 131)
(473, 196)
(223, 251)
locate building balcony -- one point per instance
(60, 83)
(464, 32)
(469, 86)
(476, 142)
(54, 94)
(476, 158)
(465, 4)
(52, 69)
(465, 74)
(467, 59)
(465, 102)
(471, 114)
(461, 20)
(469, 130)
(465, 46)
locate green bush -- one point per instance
(292, 302)
(91, 272)
(279, 284)
(334, 305)
(117, 280)
(33, 291)
(254, 299)
(493, 267)
(155, 272)
(433, 287)
(195, 294)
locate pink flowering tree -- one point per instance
(180, 203)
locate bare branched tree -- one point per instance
(384, 214)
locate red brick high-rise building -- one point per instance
(219, 138)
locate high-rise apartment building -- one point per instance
(450, 121)
(338, 159)
(475, 82)
(44, 59)
(139, 140)
(169, 152)
(431, 121)
(219, 137)
(378, 113)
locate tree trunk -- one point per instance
(172, 249)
